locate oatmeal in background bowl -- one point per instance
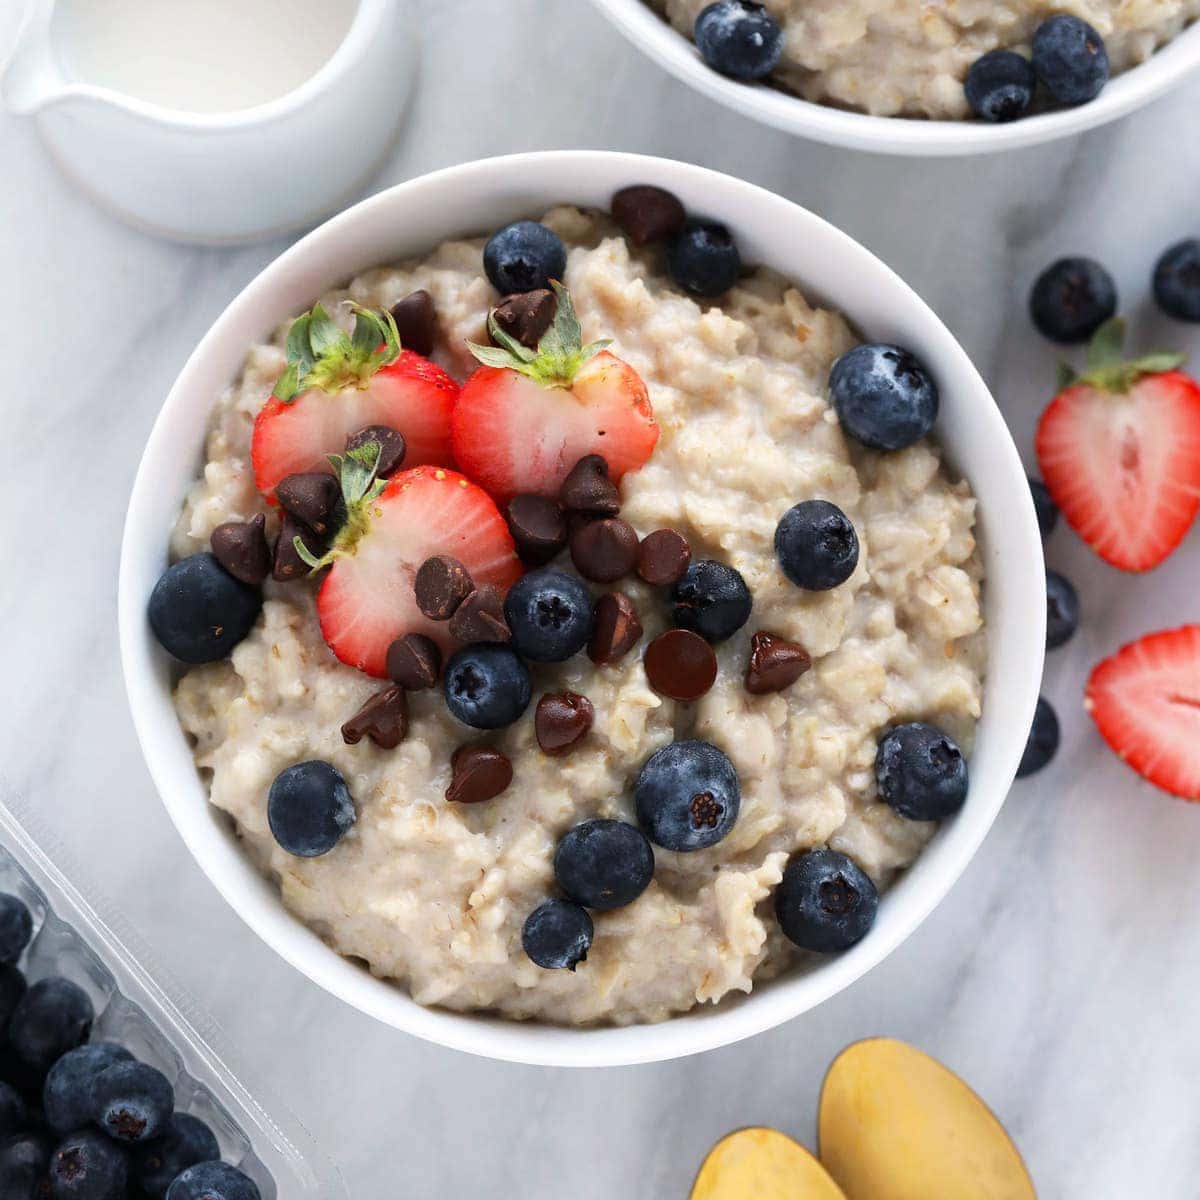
(592, 683)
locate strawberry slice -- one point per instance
(334, 385)
(1119, 450)
(367, 599)
(1145, 701)
(526, 417)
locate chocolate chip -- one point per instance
(478, 773)
(312, 497)
(615, 628)
(416, 322)
(663, 557)
(414, 662)
(538, 526)
(442, 584)
(775, 664)
(526, 316)
(680, 664)
(480, 617)
(562, 721)
(648, 214)
(288, 564)
(383, 719)
(241, 548)
(588, 489)
(604, 551)
(392, 447)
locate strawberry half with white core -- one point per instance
(526, 417)
(336, 384)
(1145, 701)
(392, 526)
(1119, 449)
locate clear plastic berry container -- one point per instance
(139, 1006)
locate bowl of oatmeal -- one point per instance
(418, 848)
(890, 77)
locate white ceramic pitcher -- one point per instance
(222, 177)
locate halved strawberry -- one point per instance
(526, 417)
(1119, 449)
(335, 385)
(367, 599)
(1145, 701)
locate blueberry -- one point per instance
(14, 1113)
(1070, 59)
(604, 864)
(738, 38)
(825, 902)
(523, 257)
(131, 1101)
(921, 772)
(1177, 280)
(1071, 299)
(54, 1016)
(883, 396)
(703, 259)
(1047, 510)
(557, 934)
(687, 796)
(816, 545)
(185, 1142)
(310, 808)
(487, 686)
(213, 1181)
(88, 1166)
(550, 615)
(199, 612)
(711, 599)
(12, 988)
(1000, 86)
(24, 1160)
(16, 927)
(68, 1092)
(1062, 610)
(1042, 743)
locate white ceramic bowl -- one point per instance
(411, 219)
(898, 135)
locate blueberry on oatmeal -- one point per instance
(604, 864)
(487, 686)
(1070, 59)
(523, 257)
(739, 38)
(711, 598)
(816, 545)
(557, 935)
(825, 902)
(687, 796)
(309, 808)
(703, 259)
(550, 615)
(921, 772)
(1000, 86)
(883, 395)
(199, 612)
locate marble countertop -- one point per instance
(1059, 976)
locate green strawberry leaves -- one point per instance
(320, 355)
(1105, 369)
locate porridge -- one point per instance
(910, 57)
(435, 893)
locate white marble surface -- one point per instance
(1059, 976)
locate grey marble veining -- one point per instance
(1060, 974)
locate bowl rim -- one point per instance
(1130, 90)
(1019, 590)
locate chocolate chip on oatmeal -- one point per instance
(416, 322)
(588, 489)
(480, 617)
(392, 447)
(538, 526)
(615, 628)
(313, 498)
(441, 585)
(383, 719)
(604, 551)
(526, 316)
(288, 564)
(775, 664)
(562, 721)
(478, 773)
(414, 662)
(680, 664)
(663, 557)
(241, 548)
(648, 214)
